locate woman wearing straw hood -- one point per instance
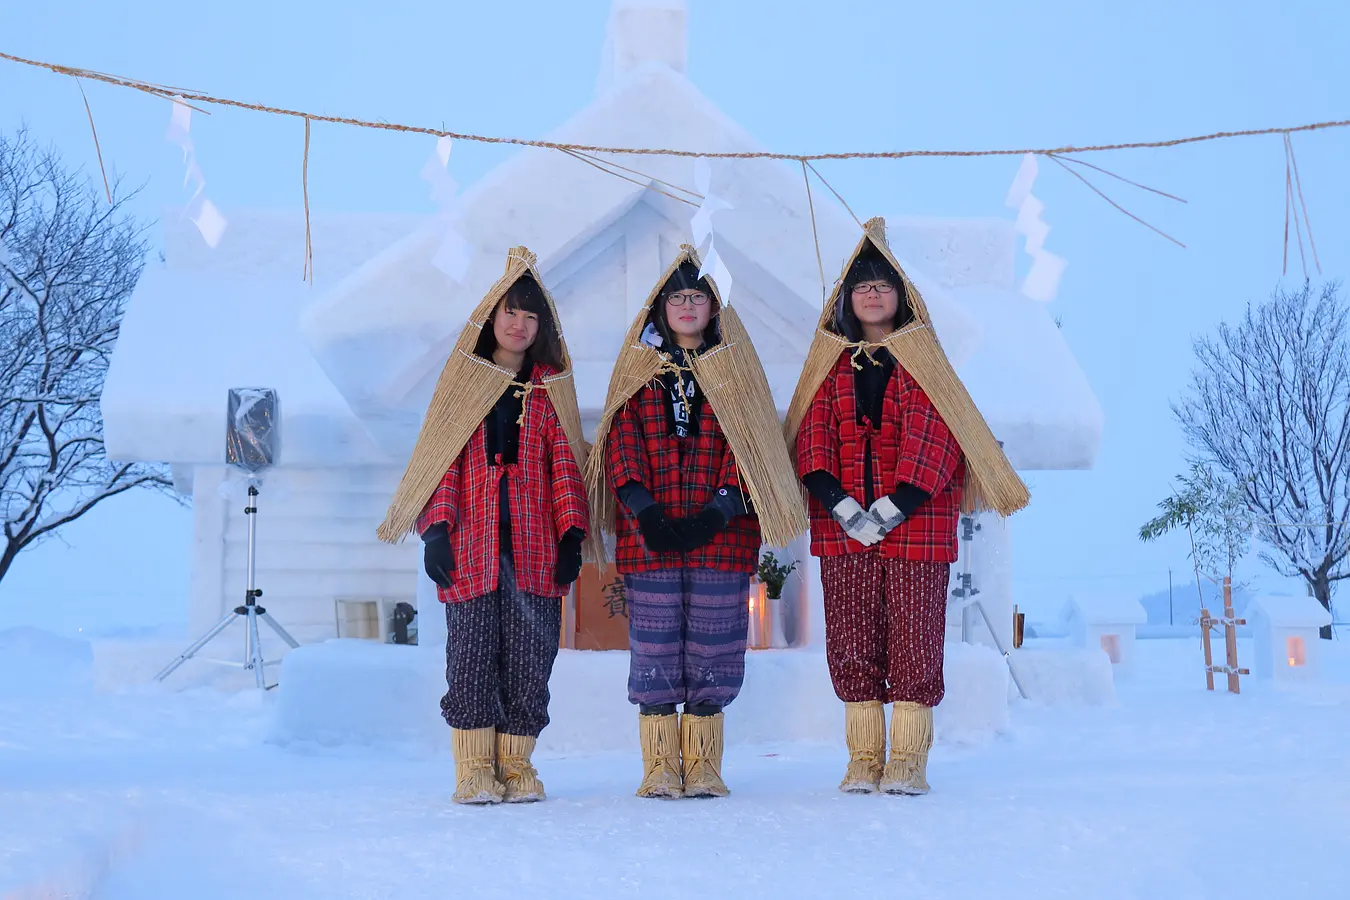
(688, 447)
(495, 490)
(891, 450)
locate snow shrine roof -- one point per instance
(1105, 609)
(1287, 611)
(380, 331)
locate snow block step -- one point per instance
(349, 691)
(45, 663)
(355, 692)
(1066, 676)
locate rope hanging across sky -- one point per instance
(199, 97)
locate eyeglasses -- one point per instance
(884, 287)
(698, 298)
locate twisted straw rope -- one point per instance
(199, 97)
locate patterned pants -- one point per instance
(686, 634)
(498, 658)
(885, 621)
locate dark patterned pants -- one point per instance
(885, 622)
(498, 658)
(686, 635)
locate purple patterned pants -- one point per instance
(686, 633)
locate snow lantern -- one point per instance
(1108, 624)
(1285, 629)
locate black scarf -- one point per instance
(686, 400)
(502, 426)
(869, 385)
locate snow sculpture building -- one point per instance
(1286, 631)
(355, 362)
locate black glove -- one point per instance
(658, 532)
(568, 567)
(700, 529)
(437, 558)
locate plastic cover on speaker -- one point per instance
(252, 429)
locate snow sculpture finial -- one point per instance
(640, 32)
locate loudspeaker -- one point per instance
(252, 428)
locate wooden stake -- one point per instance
(1205, 624)
(1230, 636)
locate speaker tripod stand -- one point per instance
(250, 612)
(968, 602)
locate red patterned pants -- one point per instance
(885, 620)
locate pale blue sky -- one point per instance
(800, 76)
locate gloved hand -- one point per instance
(438, 559)
(568, 567)
(700, 529)
(857, 522)
(658, 533)
(887, 514)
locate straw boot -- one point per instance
(660, 739)
(475, 781)
(701, 747)
(911, 738)
(865, 730)
(515, 771)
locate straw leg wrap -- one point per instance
(865, 730)
(475, 777)
(515, 771)
(701, 746)
(911, 738)
(660, 739)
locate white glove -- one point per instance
(887, 514)
(857, 522)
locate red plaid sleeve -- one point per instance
(625, 450)
(444, 503)
(729, 475)
(929, 454)
(818, 437)
(569, 491)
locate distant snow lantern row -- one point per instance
(1108, 624)
(1285, 632)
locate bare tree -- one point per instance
(69, 260)
(1270, 406)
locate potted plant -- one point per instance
(774, 574)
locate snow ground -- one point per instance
(142, 792)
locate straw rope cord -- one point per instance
(97, 149)
(815, 232)
(204, 98)
(304, 185)
(649, 185)
(1055, 157)
(837, 195)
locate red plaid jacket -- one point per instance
(681, 476)
(913, 445)
(545, 494)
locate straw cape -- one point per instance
(468, 388)
(733, 381)
(991, 482)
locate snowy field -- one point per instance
(110, 788)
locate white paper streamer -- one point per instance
(713, 265)
(1042, 280)
(455, 254)
(702, 228)
(201, 211)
